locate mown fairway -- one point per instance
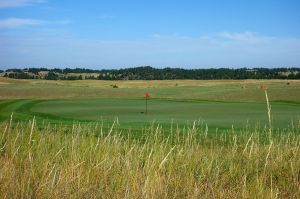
(220, 104)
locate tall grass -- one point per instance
(88, 161)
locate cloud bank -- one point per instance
(22, 22)
(219, 50)
(19, 3)
(18, 22)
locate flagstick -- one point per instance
(146, 104)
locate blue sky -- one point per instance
(160, 33)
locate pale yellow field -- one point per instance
(220, 90)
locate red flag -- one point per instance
(147, 95)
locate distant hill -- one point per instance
(150, 73)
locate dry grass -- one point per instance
(144, 83)
(87, 161)
(223, 90)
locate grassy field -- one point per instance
(200, 139)
(130, 112)
(87, 161)
(220, 104)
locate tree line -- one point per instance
(150, 73)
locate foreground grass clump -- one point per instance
(87, 161)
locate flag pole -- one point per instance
(146, 96)
(146, 104)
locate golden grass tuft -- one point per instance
(39, 160)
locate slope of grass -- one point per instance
(130, 112)
(87, 161)
(219, 103)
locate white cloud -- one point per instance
(158, 50)
(21, 22)
(245, 37)
(222, 38)
(18, 22)
(19, 3)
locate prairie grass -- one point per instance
(89, 161)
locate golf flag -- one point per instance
(147, 95)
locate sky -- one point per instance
(160, 33)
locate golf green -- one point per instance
(131, 112)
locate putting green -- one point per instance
(130, 112)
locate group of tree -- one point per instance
(19, 75)
(56, 76)
(150, 73)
